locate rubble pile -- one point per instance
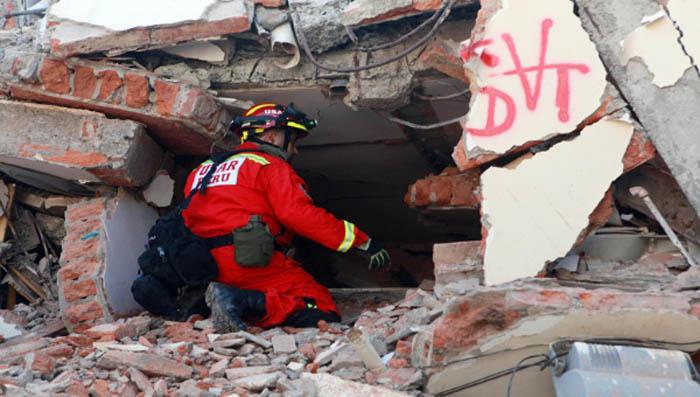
(157, 357)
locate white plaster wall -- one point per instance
(514, 120)
(126, 227)
(127, 14)
(535, 209)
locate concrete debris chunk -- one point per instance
(148, 363)
(141, 381)
(332, 386)
(118, 26)
(159, 191)
(235, 373)
(284, 344)
(258, 382)
(80, 145)
(256, 339)
(528, 213)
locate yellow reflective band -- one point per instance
(245, 136)
(349, 239)
(206, 163)
(296, 125)
(253, 110)
(254, 157)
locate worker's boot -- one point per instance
(230, 305)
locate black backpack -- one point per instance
(174, 255)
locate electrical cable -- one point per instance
(424, 126)
(517, 368)
(307, 50)
(441, 97)
(547, 361)
(403, 37)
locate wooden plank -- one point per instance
(4, 219)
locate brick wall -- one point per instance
(81, 294)
(182, 117)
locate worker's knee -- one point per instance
(155, 297)
(310, 318)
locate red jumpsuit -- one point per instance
(261, 184)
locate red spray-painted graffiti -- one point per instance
(532, 93)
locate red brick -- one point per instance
(72, 291)
(166, 96)
(59, 350)
(44, 364)
(200, 107)
(55, 76)
(398, 363)
(403, 348)
(100, 388)
(113, 331)
(84, 82)
(85, 209)
(639, 151)
(110, 82)
(81, 251)
(424, 5)
(81, 312)
(441, 56)
(136, 90)
(468, 321)
(75, 270)
(77, 390)
(184, 332)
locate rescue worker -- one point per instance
(254, 205)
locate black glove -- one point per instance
(378, 256)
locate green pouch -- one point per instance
(254, 243)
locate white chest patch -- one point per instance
(226, 173)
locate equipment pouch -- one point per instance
(254, 244)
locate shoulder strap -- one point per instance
(216, 160)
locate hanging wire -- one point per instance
(307, 50)
(441, 97)
(424, 126)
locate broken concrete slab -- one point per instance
(78, 145)
(521, 319)
(669, 114)
(160, 190)
(104, 237)
(328, 385)
(323, 18)
(368, 12)
(534, 73)
(117, 27)
(183, 118)
(151, 364)
(528, 215)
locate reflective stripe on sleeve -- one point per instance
(349, 239)
(254, 157)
